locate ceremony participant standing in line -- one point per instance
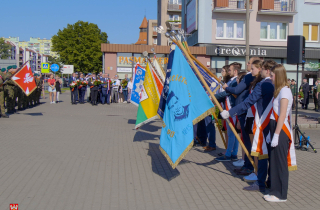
(293, 88)
(94, 90)
(3, 77)
(88, 87)
(230, 100)
(82, 90)
(104, 89)
(130, 86)
(9, 87)
(109, 86)
(305, 89)
(115, 89)
(124, 84)
(318, 95)
(281, 134)
(242, 92)
(261, 97)
(52, 89)
(74, 91)
(314, 93)
(58, 88)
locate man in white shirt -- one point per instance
(115, 89)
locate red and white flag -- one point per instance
(24, 79)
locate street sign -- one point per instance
(54, 67)
(67, 69)
(45, 68)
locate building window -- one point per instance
(230, 29)
(174, 17)
(154, 40)
(273, 31)
(311, 32)
(155, 28)
(175, 2)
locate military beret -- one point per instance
(3, 69)
(304, 77)
(9, 67)
(14, 66)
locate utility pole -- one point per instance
(247, 30)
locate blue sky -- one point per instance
(120, 19)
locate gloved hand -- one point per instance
(225, 114)
(275, 140)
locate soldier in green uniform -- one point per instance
(20, 99)
(39, 88)
(3, 77)
(318, 94)
(10, 88)
(314, 94)
(293, 88)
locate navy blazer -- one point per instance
(262, 94)
(221, 97)
(242, 89)
(71, 79)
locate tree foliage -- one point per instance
(4, 49)
(80, 45)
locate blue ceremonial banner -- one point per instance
(163, 97)
(187, 103)
(137, 84)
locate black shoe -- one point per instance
(317, 110)
(4, 116)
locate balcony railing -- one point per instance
(281, 7)
(174, 7)
(231, 4)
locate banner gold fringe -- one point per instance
(293, 168)
(202, 116)
(174, 165)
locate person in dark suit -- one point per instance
(104, 89)
(305, 89)
(242, 92)
(230, 101)
(93, 90)
(82, 90)
(262, 96)
(109, 89)
(74, 92)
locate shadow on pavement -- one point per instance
(160, 165)
(34, 114)
(131, 121)
(143, 136)
(149, 127)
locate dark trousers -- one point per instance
(74, 96)
(319, 101)
(125, 95)
(82, 93)
(206, 129)
(246, 141)
(108, 97)
(103, 95)
(279, 172)
(94, 95)
(264, 170)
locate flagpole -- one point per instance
(145, 53)
(178, 43)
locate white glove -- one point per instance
(225, 114)
(275, 140)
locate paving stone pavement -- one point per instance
(69, 157)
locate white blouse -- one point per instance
(285, 92)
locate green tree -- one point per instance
(4, 49)
(80, 45)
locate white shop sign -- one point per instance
(125, 70)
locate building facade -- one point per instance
(219, 25)
(169, 17)
(42, 46)
(306, 23)
(152, 32)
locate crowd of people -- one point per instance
(12, 96)
(99, 88)
(258, 100)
